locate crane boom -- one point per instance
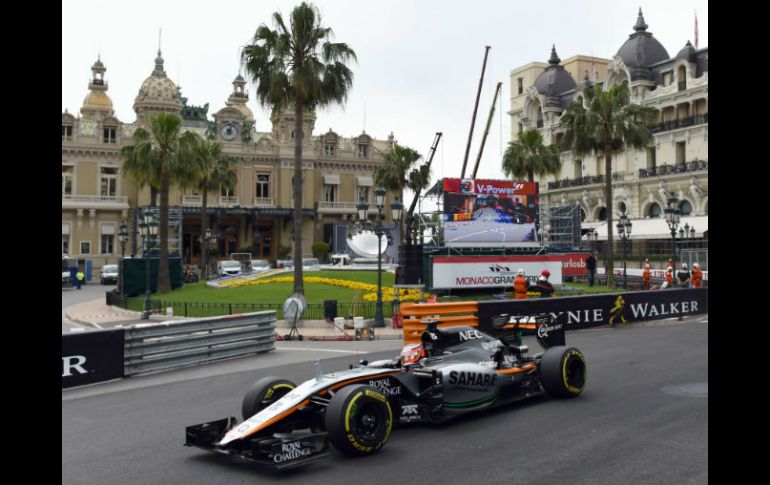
(486, 130)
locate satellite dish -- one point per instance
(364, 244)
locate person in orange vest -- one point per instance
(646, 277)
(697, 276)
(520, 285)
(669, 277)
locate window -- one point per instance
(603, 214)
(109, 181)
(66, 132)
(363, 150)
(651, 157)
(66, 180)
(680, 152)
(329, 148)
(600, 165)
(686, 208)
(263, 185)
(293, 133)
(330, 193)
(521, 85)
(65, 243)
(363, 194)
(225, 192)
(85, 247)
(110, 134)
(654, 211)
(108, 243)
(578, 169)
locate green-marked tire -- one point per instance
(358, 420)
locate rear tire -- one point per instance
(263, 393)
(563, 371)
(358, 420)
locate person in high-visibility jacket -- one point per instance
(520, 285)
(646, 277)
(80, 278)
(697, 276)
(669, 277)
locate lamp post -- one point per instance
(123, 238)
(149, 228)
(672, 219)
(624, 232)
(396, 209)
(209, 238)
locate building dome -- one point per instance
(98, 101)
(641, 50)
(687, 53)
(158, 92)
(555, 80)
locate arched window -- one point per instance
(686, 208)
(603, 214)
(582, 215)
(622, 207)
(654, 211)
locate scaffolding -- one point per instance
(560, 227)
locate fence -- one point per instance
(314, 311)
(170, 345)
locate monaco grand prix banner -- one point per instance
(458, 272)
(92, 356)
(490, 213)
(591, 311)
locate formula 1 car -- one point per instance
(453, 371)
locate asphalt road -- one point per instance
(642, 419)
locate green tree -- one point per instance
(606, 123)
(210, 170)
(529, 156)
(399, 171)
(302, 67)
(155, 159)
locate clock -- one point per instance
(229, 131)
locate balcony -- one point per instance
(679, 123)
(229, 201)
(221, 201)
(693, 166)
(264, 202)
(94, 202)
(323, 207)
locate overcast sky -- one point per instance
(419, 62)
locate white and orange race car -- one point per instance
(453, 371)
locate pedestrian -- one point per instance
(520, 285)
(669, 283)
(591, 265)
(683, 277)
(543, 285)
(697, 276)
(80, 278)
(646, 276)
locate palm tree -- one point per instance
(153, 160)
(607, 124)
(529, 156)
(216, 171)
(398, 172)
(303, 68)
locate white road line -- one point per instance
(322, 350)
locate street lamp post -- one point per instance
(149, 228)
(209, 238)
(672, 219)
(624, 232)
(123, 237)
(396, 209)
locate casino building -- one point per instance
(256, 216)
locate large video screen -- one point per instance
(490, 213)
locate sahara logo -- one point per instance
(73, 362)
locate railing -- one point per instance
(692, 166)
(192, 200)
(264, 202)
(347, 206)
(94, 200)
(229, 201)
(170, 345)
(679, 123)
(587, 180)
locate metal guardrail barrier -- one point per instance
(170, 345)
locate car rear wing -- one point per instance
(543, 325)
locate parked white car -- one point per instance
(109, 274)
(228, 268)
(311, 264)
(260, 265)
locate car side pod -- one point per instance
(279, 451)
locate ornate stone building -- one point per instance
(256, 216)
(675, 164)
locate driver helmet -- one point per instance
(412, 353)
(520, 272)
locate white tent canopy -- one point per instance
(653, 228)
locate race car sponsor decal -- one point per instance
(473, 380)
(470, 335)
(409, 414)
(544, 330)
(291, 451)
(488, 363)
(493, 345)
(386, 387)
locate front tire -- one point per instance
(263, 393)
(563, 371)
(358, 420)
